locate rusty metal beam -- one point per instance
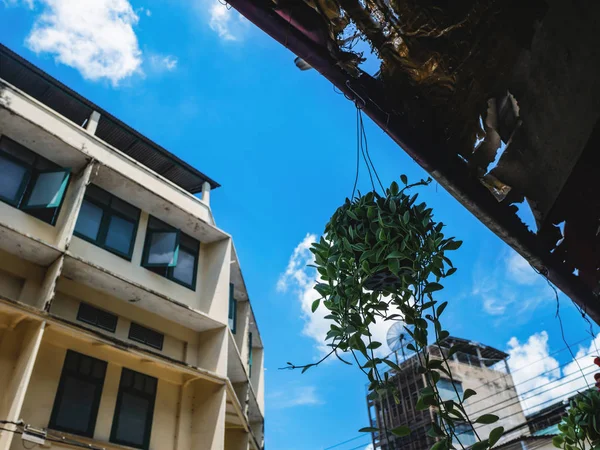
(428, 151)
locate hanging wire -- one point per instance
(362, 147)
(225, 4)
(357, 157)
(364, 133)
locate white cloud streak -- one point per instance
(161, 63)
(539, 378)
(96, 38)
(226, 22)
(301, 279)
(519, 270)
(293, 397)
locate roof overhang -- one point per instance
(541, 103)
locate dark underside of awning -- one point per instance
(498, 101)
(52, 93)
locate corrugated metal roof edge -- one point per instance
(90, 104)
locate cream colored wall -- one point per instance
(44, 384)
(236, 439)
(27, 224)
(258, 379)
(17, 272)
(495, 395)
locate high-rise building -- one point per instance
(124, 318)
(479, 367)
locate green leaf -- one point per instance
(392, 364)
(469, 393)
(432, 287)
(558, 441)
(450, 271)
(495, 434)
(373, 345)
(406, 217)
(394, 189)
(404, 179)
(441, 308)
(440, 445)
(486, 419)
(395, 254)
(315, 304)
(401, 431)
(480, 445)
(368, 430)
(452, 245)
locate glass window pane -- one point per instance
(89, 219)
(17, 150)
(129, 211)
(446, 389)
(100, 195)
(162, 249)
(48, 189)
(75, 405)
(132, 419)
(120, 234)
(184, 270)
(11, 181)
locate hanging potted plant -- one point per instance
(383, 258)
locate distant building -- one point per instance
(478, 367)
(545, 421)
(125, 321)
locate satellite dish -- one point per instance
(397, 337)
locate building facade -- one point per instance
(124, 318)
(478, 367)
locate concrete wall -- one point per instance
(495, 395)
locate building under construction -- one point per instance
(478, 367)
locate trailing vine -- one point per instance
(383, 258)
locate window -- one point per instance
(447, 391)
(78, 396)
(465, 434)
(132, 423)
(171, 253)
(232, 310)
(108, 222)
(30, 182)
(146, 336)
(249, 355)
(97, 317)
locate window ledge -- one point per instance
(86, 440)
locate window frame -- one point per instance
(63, 188)
(87, 305)
(149, 413)
(232, 315)
(107, 213)
(32, 175)
(60, 392)
(24, 183)
(162, 341)
(169, 269)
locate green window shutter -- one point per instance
(48, 189)
(162, 249)
(232, 309)
(250, 354)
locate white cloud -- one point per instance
(162, 63)
(519, 270)
(294, 396)
(95, 37)
(539, 379)
(226, 22)
(493, 306)
(28, 3)
(301, 279)
(369, 447)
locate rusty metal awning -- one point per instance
(498, 101)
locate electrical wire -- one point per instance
(349, 440)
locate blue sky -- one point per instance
(220, 94)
